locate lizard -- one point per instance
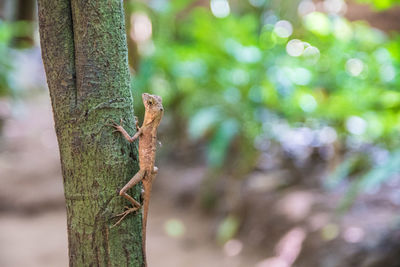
(147, 135)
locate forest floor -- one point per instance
(33, 219)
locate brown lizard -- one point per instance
(147, 135)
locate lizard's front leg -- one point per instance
(119, 128)
(135, 205)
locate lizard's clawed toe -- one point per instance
(112, 124)
(116, 125)
(124, 214)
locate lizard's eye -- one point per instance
(150, 102)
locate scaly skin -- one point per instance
(147, 152)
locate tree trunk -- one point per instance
(85, 56)
(25, 12)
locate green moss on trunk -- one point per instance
(85, 56)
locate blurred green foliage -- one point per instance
(9, 31)
(241, 78)
(227, 229)
(381, 4)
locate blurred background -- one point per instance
(280, 137)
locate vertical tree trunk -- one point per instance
(85, 56)
(25, 12)
(7, 9)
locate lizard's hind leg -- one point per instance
(135, 205)
(135, 180)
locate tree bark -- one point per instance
(85, 56)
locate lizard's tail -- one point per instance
(144, 240)
(147, 193)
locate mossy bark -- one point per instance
(85, 56)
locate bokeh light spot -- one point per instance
(387, 73)
(295, 48)
(317, 23)
(257, 3)
(296, 206)
(220, 8)
(283, 28)
(342, 29)
(141, 27)
(354, 66)
(311, 54)
(335, 6)
(330, 232)
(307, 103)
(299, 76)
(233, 247)
(327, 135)
(356, 125)
(353, 234)
(305, 7)
(174, 228)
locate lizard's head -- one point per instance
(153, 104)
